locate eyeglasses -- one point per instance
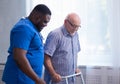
(73, 25)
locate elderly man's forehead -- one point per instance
(73, 17)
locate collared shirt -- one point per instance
(24, 35)
(63, 49)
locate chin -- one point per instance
(41, 28)
(73, 33)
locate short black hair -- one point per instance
(42, 9)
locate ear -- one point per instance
(65, 21)
(38, 18)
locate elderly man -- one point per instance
(61, 48)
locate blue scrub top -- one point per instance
(24, 35)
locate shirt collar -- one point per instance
(64, 30)
(30, 23)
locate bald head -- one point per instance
(74, 18)
(72, 23)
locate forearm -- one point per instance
(48, 65)
(23, 64)
(77, 70)
(25, 67)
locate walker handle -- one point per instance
(72, 75)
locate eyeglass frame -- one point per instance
(73, 25)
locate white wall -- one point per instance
(10, 12)
(114, 25)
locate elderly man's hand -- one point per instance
(77, 70)
(56, 78)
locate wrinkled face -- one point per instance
(72, 26)
(42, 22)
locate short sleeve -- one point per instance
(51, 43)
(21, 37)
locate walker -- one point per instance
(77, 74)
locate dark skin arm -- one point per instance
(24, 65)
(48, 64)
